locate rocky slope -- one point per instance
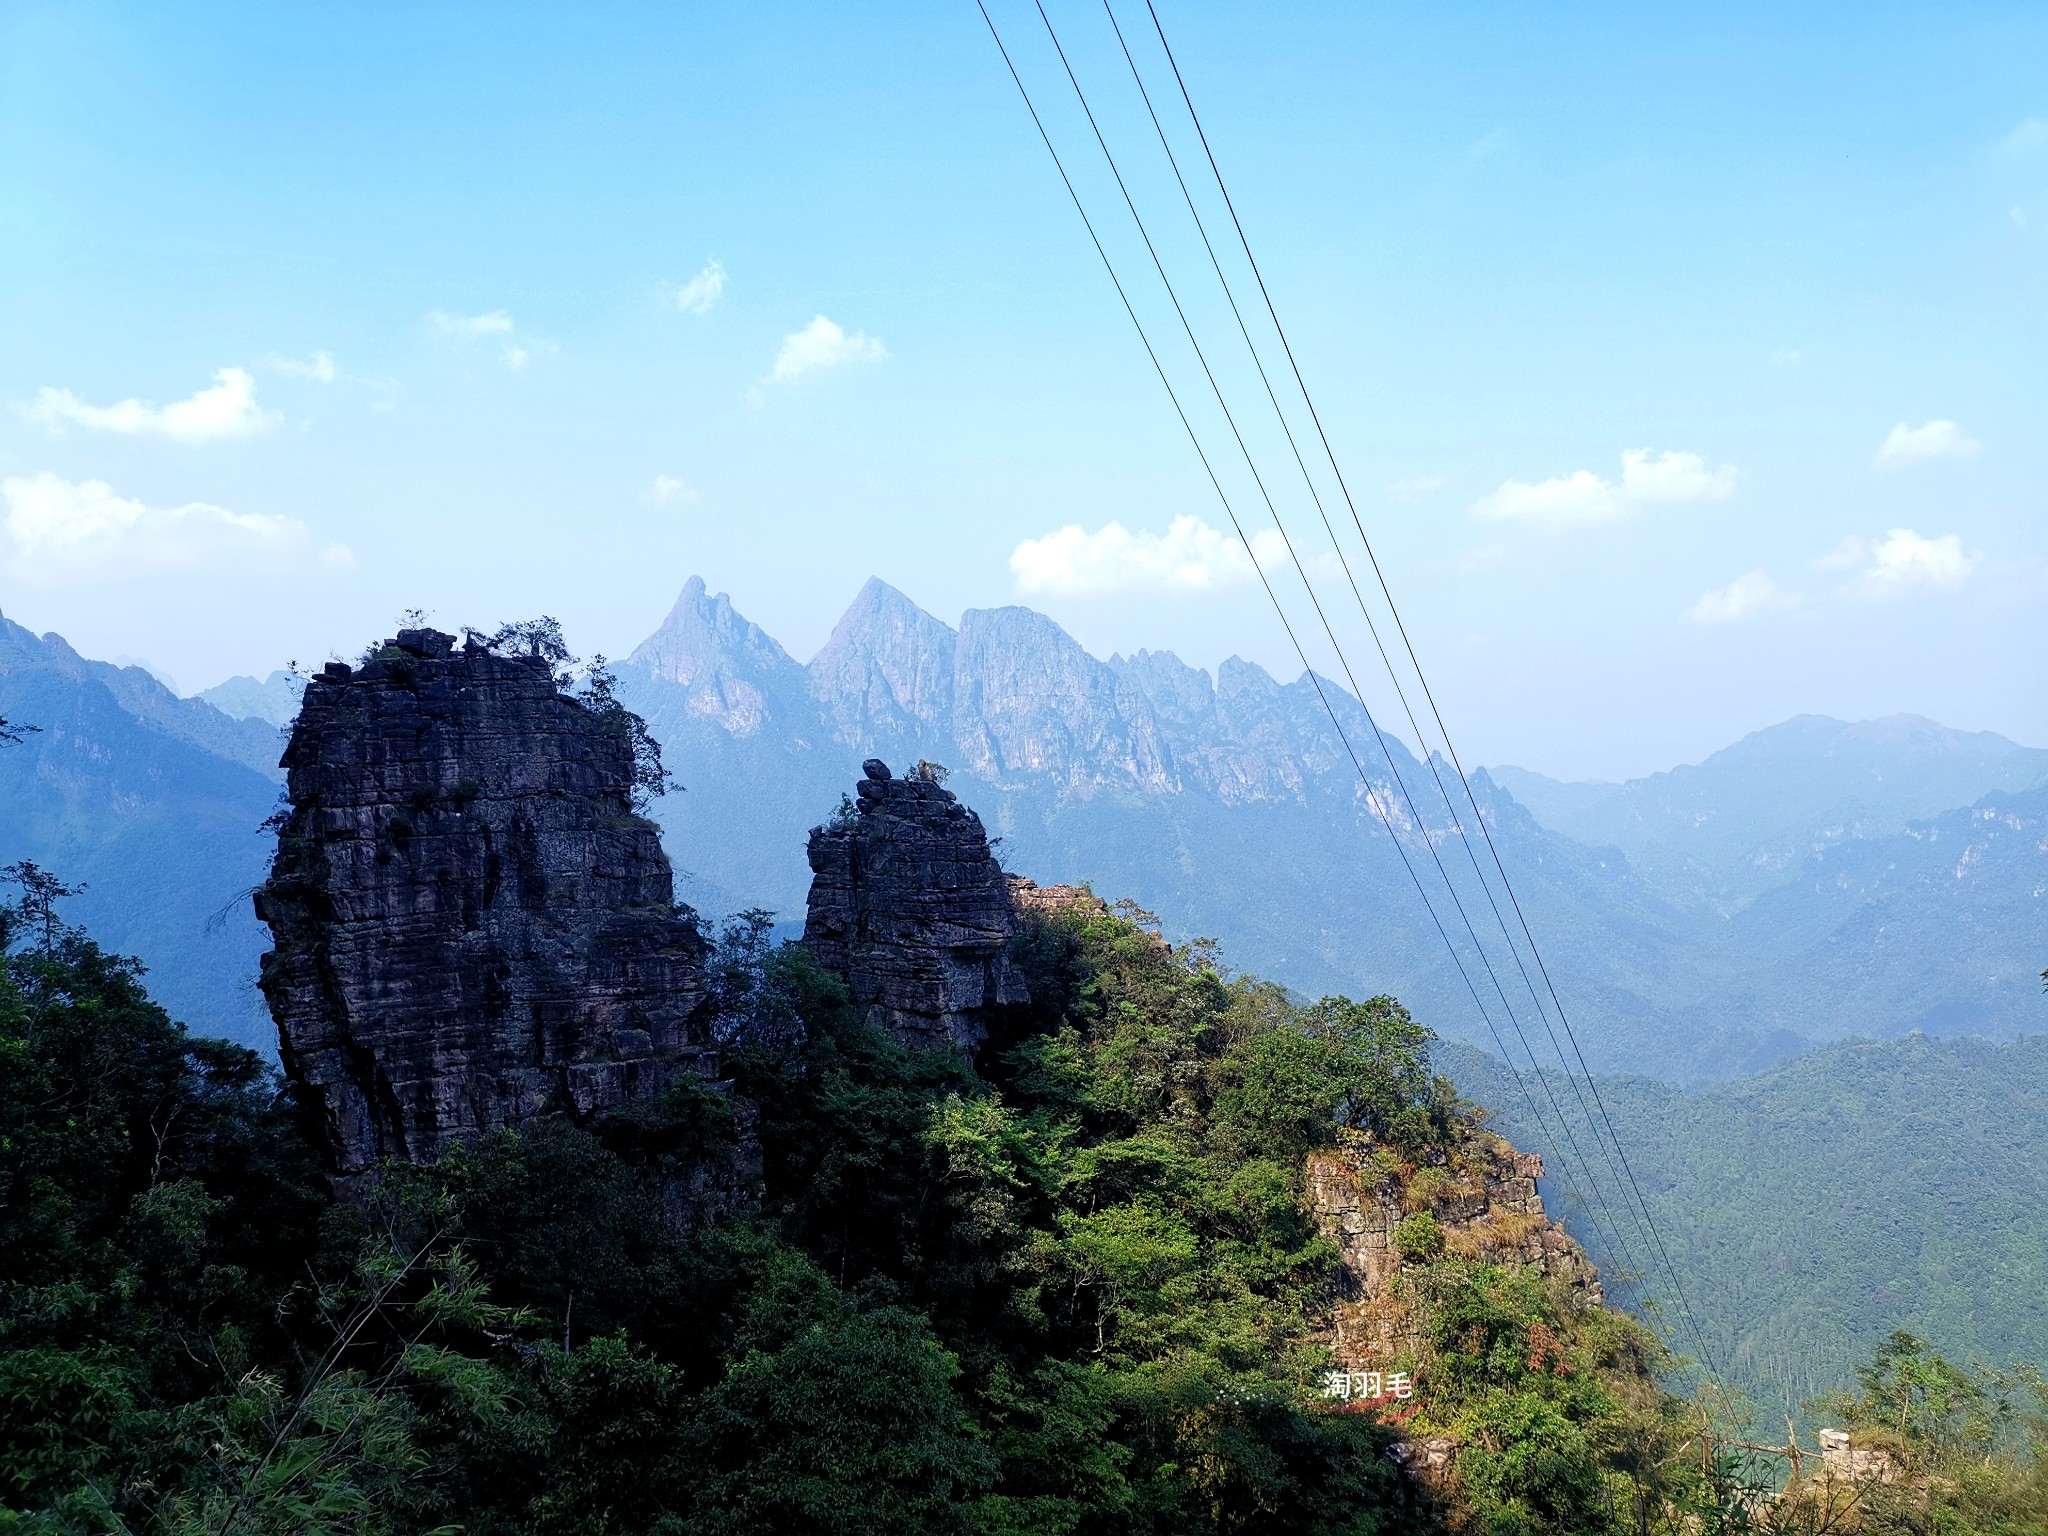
(1481, 1198)
(472, 926)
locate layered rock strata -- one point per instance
(472, 927)
(910, 909)
(1486, 1208)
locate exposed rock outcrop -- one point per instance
(910, 909)
(472, 926)
(1055, 900)
(1486, 1206)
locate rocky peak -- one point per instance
(735, 675)
(472, 928)
(910, 909)
(886, 675)
(1182, 696)
(1031, 703)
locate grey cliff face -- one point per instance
(910, 909)
(886, 674)
(472, 927)
(733, 674)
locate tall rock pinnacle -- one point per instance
(910, 909)
(472, 926)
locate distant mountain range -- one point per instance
(1816, 880)
(155, 804)
(1743, 821)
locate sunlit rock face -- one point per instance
(910, 909)
(472, 927)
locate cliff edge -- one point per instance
(472, 927)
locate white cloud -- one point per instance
(1190, 556)
(1936, 440)
(668, 490)
(821, 344)
(319, 367)
(1903, 559)
(1743, 598)
(1785, 357)
(1584, 499)
(227, 409)
(58, 529)
(1673, 477)
(702, 291)
(515, 348)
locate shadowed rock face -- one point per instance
(472, 927)
(910, 909)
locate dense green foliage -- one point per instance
(1068, 1287)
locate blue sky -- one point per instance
(317, 314)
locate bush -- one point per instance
(1418, 1238)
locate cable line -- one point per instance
(1329, 630)
(1373, 797)
(1429, 694)
(1428, 757)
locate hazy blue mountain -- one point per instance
(1745, 818)
(1230, 806)
(1226, 803)
(154, 803)
(744, 741)
(1813, 1209)
(275, 699)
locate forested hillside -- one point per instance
(1073, 1291)
(1815, 1208)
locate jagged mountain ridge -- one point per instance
(1009, 698)
(1231, 806)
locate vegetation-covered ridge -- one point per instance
(1815, 1208)
(1075, 1285)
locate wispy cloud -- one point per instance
(2032, 134)
(669, 491)
(469, 327)
(59, 529)
(1585, 500)
(702, 291)
(1746, 597)
(1190, 556)
(1415, 487)
(1906, 445)
(822, 344)
(515, 348)
(319, 368)
(227, 409)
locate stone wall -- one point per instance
(472, 927)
